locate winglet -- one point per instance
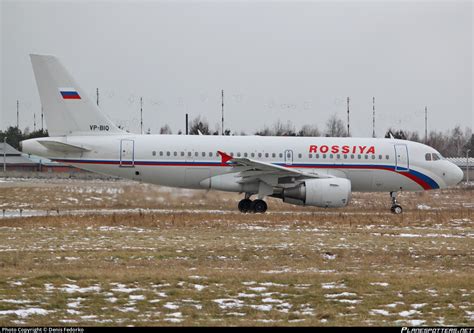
(225, 158)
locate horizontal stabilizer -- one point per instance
(62, 147)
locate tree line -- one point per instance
(14, 135)
(451, 143)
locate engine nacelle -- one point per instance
(325, 192)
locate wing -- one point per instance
(267, 174)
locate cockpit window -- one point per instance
(432, 157)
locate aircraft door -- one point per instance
(288, 157)
(127, 153)
(401, 158)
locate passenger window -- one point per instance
(252, 154)
(300, 156)
(153, 153)
(310, 155)
(259, 154)
(331, 156)
(387, 157)
(352, 156)
(210, 154)
(161, 153)
(168, 153)
(232, 154)
(266, 155)
(203, 154)
(273, 155)
(366, 156)
(380, 157)
(175, 153)
(345, 157)
(428, 156)
(338, 156)
(196, 154)
(189, 154)
(373, 157)
(182, 153)
(245, 154)
(317, 155)
(281, 155)
(324, 155)
(358, 157)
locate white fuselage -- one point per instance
(193, 162)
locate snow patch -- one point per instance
(137, 297)
(333, 285)
(23, 313)
(72, 288)
(379, 312)
(229, 303)
(408, 313)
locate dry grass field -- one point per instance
(122, 253)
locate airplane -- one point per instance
(307, 171)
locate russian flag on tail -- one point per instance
(69, 93)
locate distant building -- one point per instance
(17, 161)
(46, 165)
(14, 160)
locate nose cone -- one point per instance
(455, 175)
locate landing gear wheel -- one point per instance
(396, 209)
(259, 206)
(245, 205)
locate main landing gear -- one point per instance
(256, 206)
(396, 208)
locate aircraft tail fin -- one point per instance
(66, 107)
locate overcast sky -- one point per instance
(274, 60)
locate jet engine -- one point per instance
(324, 192)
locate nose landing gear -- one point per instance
(248, 206)
(396, 208)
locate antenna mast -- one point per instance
(348, 126)
(18, 114)
(373, 117)
(141, 115)
(426, 124)
(187, 123)
(222, 129)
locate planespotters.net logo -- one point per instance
(437, 330)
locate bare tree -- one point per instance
(309, 130)
(166, 129)
(335, 127)
(264, 132)
(281, 129)
(278, 129)
(403, 135)
(199, 124)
